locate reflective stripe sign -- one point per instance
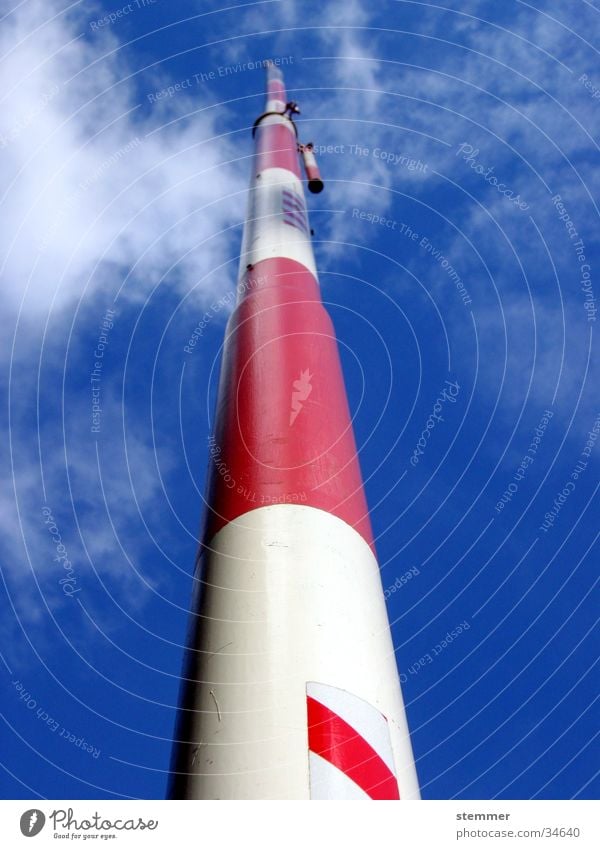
(350, 752)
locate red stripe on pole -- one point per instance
(284, 432)
(276, 147)
(275, 84)
(276, 90)
(337, 742)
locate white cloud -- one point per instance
(85, 178)
(98, 185)
(107, 508)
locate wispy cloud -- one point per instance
(93, 180)
(108, 192)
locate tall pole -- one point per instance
(290, 687)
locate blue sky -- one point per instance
(456, 243)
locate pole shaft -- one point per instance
(290, 684)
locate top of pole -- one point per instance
(276, 98)
(278, 104)
(276, 95)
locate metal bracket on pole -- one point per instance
(290, 107)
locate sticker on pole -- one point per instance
(349, 747)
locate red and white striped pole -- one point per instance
(290, 686)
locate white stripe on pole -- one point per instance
(267, 233)
(293, 595)
(328, 782)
